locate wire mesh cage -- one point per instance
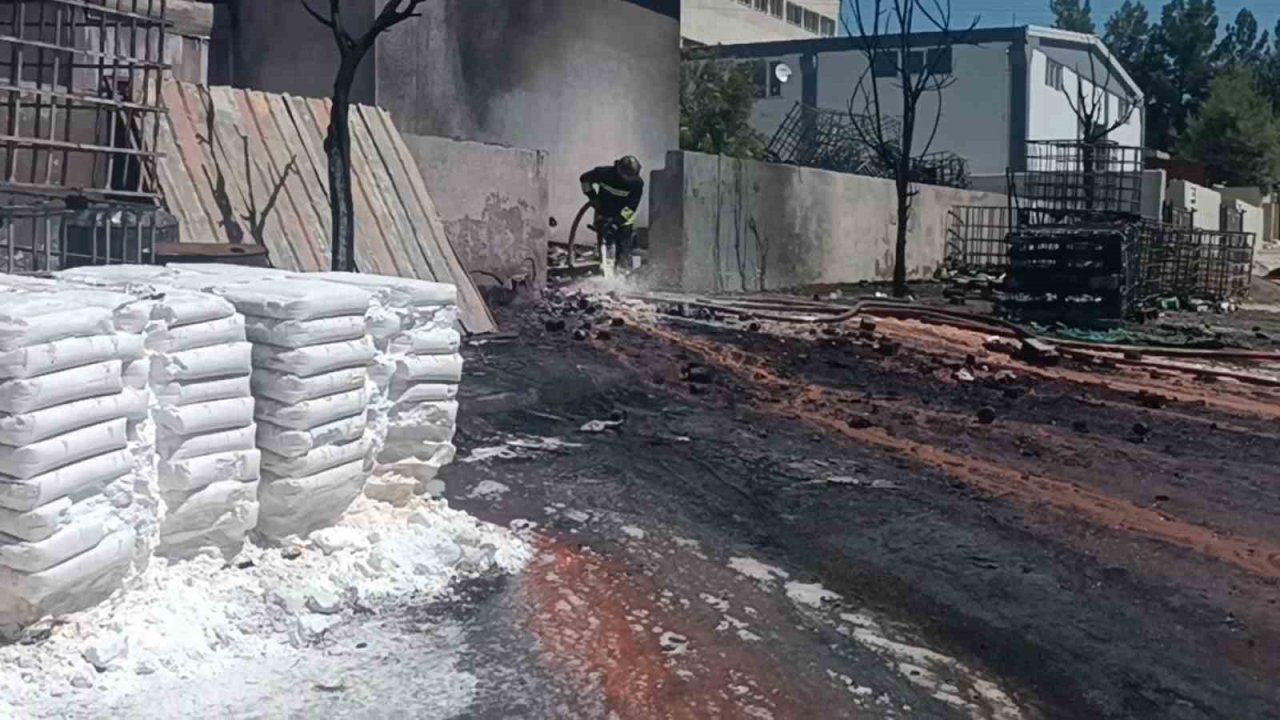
(1178, 216)
(1188, 262)
(1076, 181)
(52, 236)
(839, 141)
(1082, 274)
(978, 239)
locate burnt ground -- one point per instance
(1106, 547)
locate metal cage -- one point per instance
(1076, 181)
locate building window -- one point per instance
(762, 5)
(1124, 106)
(775, 8)
(885, 64)
(828, 27)
(759, 78)
(795, 14)
(939, 60)
(915, 62)
(1053, 74)
(811, 21)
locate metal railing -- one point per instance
(36, 238)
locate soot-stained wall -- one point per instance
(584, 80)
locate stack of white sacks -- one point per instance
(197, 376)
(175, 410)
(416, 374)
(311, 356)
(67, 471)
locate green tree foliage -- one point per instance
(1241, 44)
(1183, 67)
(1071, 15)
(1236, 132)
(715, 108)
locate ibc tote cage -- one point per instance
(80, 111)
(1074, 199)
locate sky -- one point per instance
(1004, 13)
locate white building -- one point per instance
(1010, 86)
(724, 22)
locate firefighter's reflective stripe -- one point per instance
(614, 190)
(628, 216)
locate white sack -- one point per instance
(81, 582)
(204, 418)
(302, 333)
(296, 299)
(295, 443)
(297, 506)
(172, 447)
(425, 393)
(32, 319)
(426, 341)
(37, 524)
(227, 533)
(222, 331)
(21, 395)
(180, 308)
(422, 462)
(398, 291)
(128, 313)
(26, 495)
(200, 510)
(33, 557)
(178, 394)
(316, 359)
(318, 460)
(428, 369)
(28, 428)
(288, 388)
(191, 474)
(31, 460)
(203, 363)
(136, 374)
(69, 353)
(313, 413)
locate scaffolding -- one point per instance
(80, 104)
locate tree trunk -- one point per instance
(337, 148)
(900, 246)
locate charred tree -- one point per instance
(337, 143)
(883, 31)
(1091, 107)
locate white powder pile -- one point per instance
(201, 618)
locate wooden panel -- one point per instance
(279, 170)
(216, 172)
(431, 263)
(190, 153)
(396, 230)
(179, 192)
(371, 246)
(259, 215)
(308, 193)
(246, 166)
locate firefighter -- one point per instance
(615, 192)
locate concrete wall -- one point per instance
(1266, 204)
(721, 224)
(717, 22)
(278, 47)
(1204, 202)
(585, 80)
(493, 201)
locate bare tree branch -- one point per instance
(1090, 109)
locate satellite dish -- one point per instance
(782, 71)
